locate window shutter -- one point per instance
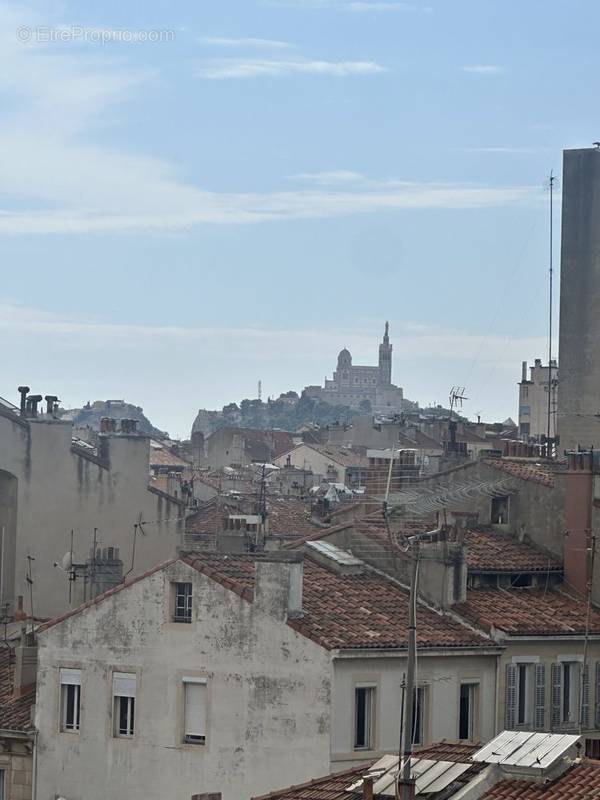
(585, 696)
(540, 697)
(195, 709)
(556, 678)
(124, 684)
(71, 677)
(511, 697)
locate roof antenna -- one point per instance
(29, 579)
(549, 439)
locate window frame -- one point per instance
(190, 739)
(131, 704)
(64, 687)
(473, 689)
(370, 717)
(187, 605)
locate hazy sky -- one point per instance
(196, 195)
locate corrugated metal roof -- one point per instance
(335, 553)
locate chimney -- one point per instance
(367, 787)
(32, 404)
(524, 371)
(278, 584)
(20, 614)
(579, 486)
(51, 401)
(23, 391)
(25, 666)
(443, 568)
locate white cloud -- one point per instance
(246, 42)
(64, 182)
(338, 176)
(484, 69)
(222, 69)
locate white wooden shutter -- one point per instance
(195, 709)
(511, 697)
(124, 684)
(540, 697)
(71, 677)
(556, 678)
(585, 696)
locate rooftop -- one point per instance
(528, 612)
(350, 611)
(525, 471)
(579, 782)
(15, 713)
(493, 551)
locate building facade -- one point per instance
(360, 387)
(51, 486)
(534, 409)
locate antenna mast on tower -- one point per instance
(260, 390)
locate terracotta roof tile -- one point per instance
(358, 611)
(331, 787)
(527, 612)
(15, 713)
(524, 471)
(501, 552)
(579, 782)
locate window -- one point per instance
(364, 717)
(1, 784)
(570, 691)
(194, 712)
(70, 699)
(524, 694)
(499, 514)
(183, 602)
(419, 715)
(124, 691)
(467, 716)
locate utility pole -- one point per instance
(410, 670)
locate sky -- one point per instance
(198, 195)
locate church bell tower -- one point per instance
(385, 359)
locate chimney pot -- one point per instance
(23, 391)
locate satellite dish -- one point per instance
(67, 561)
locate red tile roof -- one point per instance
(163, 457)
(528, 612)
(15, 713)
(524, 471)
(286, 516)
(358, 611)
(460, 752)
(491, 551)
(579, 782)
(331, 787)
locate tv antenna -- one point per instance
(457, 395)
(29, 579)
(260, 390)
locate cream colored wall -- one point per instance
(268, 698)
(59, 491)
(547, 653)
(442, 675)
(304, 457)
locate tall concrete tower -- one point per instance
(579, 342)
(385, 359)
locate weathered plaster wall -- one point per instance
(441, 674)
(58, 491)
(268, 698)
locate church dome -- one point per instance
(344, 358)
